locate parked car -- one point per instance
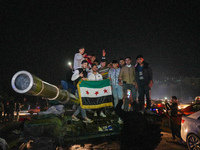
(158, 106)
(184, 105)
(183, 112)
(187, 111)
(190, 109)
(190, 130)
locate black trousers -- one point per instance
(175, 129)
(144, 90)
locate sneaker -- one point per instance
(113, 112)
(75, 119)
(120, 121)
(87, 120)
(95, 114)
(100, 129)
(102, 115)
(106, 128)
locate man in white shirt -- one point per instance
(79, 57)
(95, 76)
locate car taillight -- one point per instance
(182, 121)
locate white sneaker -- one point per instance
(95, 114)
(87, 120)
(75, 119)
(102, 115)
(120, 121)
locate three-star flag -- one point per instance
(95, 94)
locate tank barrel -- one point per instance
(26, 83)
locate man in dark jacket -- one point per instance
(175, 128)
(144, 81)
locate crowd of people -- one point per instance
(137, 79)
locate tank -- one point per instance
(48, 131)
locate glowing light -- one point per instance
(69, 63)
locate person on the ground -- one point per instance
(80, 73)
(144, 79)
(175, 129)
(79, 57)
(95, 76)
(127, 75)
(113, 74)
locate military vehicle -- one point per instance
(47, 131)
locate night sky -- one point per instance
(42, 36)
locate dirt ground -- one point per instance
(163, 145)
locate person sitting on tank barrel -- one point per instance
(80, 73)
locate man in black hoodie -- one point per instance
(144, 81)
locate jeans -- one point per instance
(68, 85)
(133, 92)
(78, 110)
(144, 90)
(117, 93)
